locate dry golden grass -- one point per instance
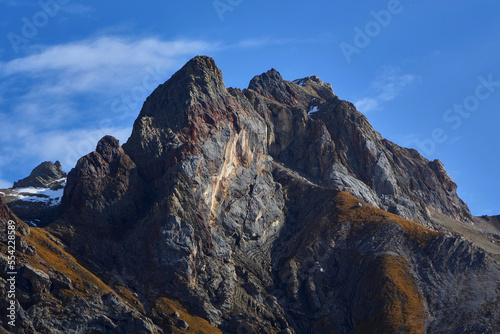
(391, 291)
(348, 211)
(398, 304)
(128, 297)
(51, 256)
(165, 306)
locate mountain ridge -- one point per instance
(261, 211)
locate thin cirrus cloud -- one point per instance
(105, 62)
(386, 87)
(65, 85)
(262, 42)
(59, 98)
(5, 184)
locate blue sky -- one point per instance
(425, 73)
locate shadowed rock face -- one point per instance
(45, 175)
(262, 211)
(39, 206)
(311, 130)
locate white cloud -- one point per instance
(391, 82)
(69, 146)
(388, 84)
(54, 100)
(101, 64)
(65, 146)
(366, 104)
(5, 184)
(262, 42)
(77, 9)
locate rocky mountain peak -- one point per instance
(203, 78)
(301, 92)
(271, 85)
(315, 85)
(45, 175)
(109, 148)
(199, 81)
(36, 198)
(272, 209)
(179, 115)
(265, 81)
(202, 67)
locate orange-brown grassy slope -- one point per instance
(390, 290)
(399, 306)
(165, 306)
(52, 259)
(348, 210)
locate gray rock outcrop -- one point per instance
(274, 209)
(45, 175)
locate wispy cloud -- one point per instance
(263, 41)
(59, 100)
(77, 9)
(56, 103)
(98, 65)
(4, 184)
(69, 146)
(388, 84)
(30, 147)
(367, 104)
(16, 3)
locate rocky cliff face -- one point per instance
(55, 293)
(311, 130)
(36, 199)
(274, 209)
(45, 175)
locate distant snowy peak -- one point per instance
(37, 206)
(49, 196)
(45, 175)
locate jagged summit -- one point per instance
(199, 79)
(308, 128)
(36, 198)
(271, 85)
(272, 209)
(45, 175)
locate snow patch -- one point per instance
(300, 82)
(48, 196)
(313, 110)
(45, 195)
(30, 190)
